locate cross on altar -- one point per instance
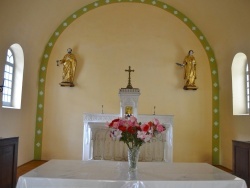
(129, 86)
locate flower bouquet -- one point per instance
(134, 134)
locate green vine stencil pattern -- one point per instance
(156, 3)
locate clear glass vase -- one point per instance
(133, 156)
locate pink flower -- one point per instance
(160, 128)
(123, 122)
(133, 119)
(156, 121)
(130, 123)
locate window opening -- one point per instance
(240, 85)
(247, 88)
(8, 79)
(13, 77)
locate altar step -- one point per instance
(224, 168)
(28, 167)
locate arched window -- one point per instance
(8, 78)
(240, 84)
(248, 88)
(13, 77)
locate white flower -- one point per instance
(116, 134)
(147, 138)
(141, 134)
(144, 136)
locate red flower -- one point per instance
(131, 130)
(138, 128)
(115, 120)
(122, 128)
(150, 123)
(145, 127)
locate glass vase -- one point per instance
(133, 156)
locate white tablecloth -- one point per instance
(113, 174)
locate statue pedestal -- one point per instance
(190, 88)
(66, 84)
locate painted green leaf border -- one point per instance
(170, 9)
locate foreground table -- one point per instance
(113, 174)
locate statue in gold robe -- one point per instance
(69, 67)
(190, 71)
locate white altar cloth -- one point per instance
(113, 174)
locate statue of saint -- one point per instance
(189, 65)
(69, 67)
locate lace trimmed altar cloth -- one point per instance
(97, 144)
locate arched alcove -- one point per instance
(17, 80)
(51, 50)
(239, 84)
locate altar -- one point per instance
(97, 144)
(114, 174)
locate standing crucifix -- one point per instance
(129, 86)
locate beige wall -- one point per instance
(101, 40)
(106, 42)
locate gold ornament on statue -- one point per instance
(69, 67)
(189, 65)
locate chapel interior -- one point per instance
(106, 38)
